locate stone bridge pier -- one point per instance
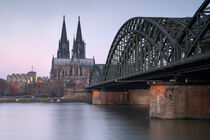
(133, 96)
(165, 101)
(179, 102)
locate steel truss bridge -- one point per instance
(155, 49)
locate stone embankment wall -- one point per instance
(180, 102)
(109, 97)
(70, 95)
(78, 94)
(139, 96)
(43, 100)
(7, 100)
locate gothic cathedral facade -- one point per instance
(74, 70)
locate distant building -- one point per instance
(74, 70)
(17, 82)
(30, 84)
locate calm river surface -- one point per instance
(75, 121)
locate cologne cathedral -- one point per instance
(74, 70)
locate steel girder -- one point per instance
(142, 44)
(197, 43)
(174, 26)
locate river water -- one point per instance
(77, 121)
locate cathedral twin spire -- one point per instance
(78, 50)
(63, 49)
(64, 34)
(79, 32)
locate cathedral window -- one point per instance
(80, 52)
(55, 74)
(80, 71)
(63, 74)
(58, 74)
(77, 71)
(70, 71)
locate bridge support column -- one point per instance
(139, 96)
(109, 97)
(179, 102)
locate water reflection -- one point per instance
(42, 121)
(180, 129)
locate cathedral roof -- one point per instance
(86, 62)
(60, 61)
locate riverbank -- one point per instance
(46, 100)
(71, 95)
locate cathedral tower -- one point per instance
(63, 50)
(78, 50)
(73, 71)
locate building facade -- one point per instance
(17, 82)
(74, 70)
(30, 84)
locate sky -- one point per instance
(30, 29)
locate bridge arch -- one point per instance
(141, 44)
(195, 37)
(149, 45)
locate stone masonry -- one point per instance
(109, 97)
(139, 96)
(179, 102)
